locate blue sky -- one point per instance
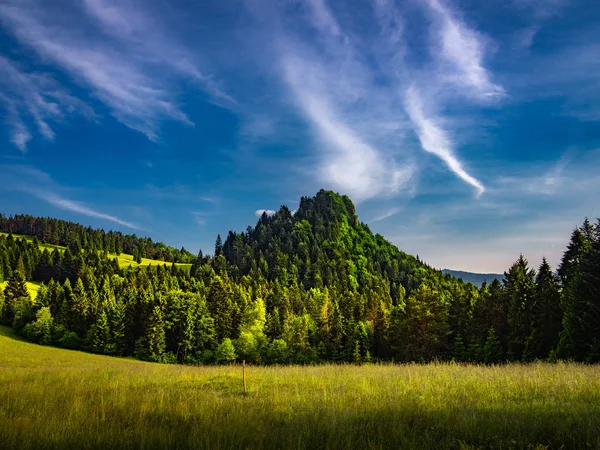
(466, 132)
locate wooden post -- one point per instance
(244, 374)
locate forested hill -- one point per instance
(304, 287)
(476, 278)
(324, 245)
(78, 237)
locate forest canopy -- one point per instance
(306, 287)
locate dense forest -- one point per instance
(305, 287)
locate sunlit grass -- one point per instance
(42, 246)
(124, 259)
(57, 398)
(32, 286)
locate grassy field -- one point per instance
(124, 259)
(52, 398)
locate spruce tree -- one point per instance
(153, 342)
(420, 329)
(218, 246)
(116, 320)
(79, 309)
(221, 307)
(14, 292)
(492, 350)
(519, 287)
(572, 341)
(587, 293)
(101, 339)
(546, 313)
(2, 303)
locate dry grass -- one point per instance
(52, 398)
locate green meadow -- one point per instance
(54, 398)
(124, 259)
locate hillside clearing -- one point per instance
(32, 286)
(124, 259)
(54, 398)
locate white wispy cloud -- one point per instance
(355, 123)
(435, 140)
(463, 49)
(199, 217)
(533, 211)
(386, 214)
(540, 9)
(555, 181)
(537, 12)
(350, 163)
(210, 199)
(80, 208)
(139, 31)
(391, 22)
(36, 98)
(19, 134)
(322, 17)
(39, 184)
(126, 71)
(260, 212)
(455, 59)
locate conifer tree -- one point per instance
(458, 349)
(519, 287)
(101, 338)
(546, 313)
(2, 303)
(218, 246)
(153, 344)
(420, 329)
(587, 294)
(572, 343)
(221, 307)
(14, 292)
(492, 350)
(63, 315)
(79, 309)
(116, 320)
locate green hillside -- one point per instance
(476, 278)
(54, 399)
(124, 259)
(308, 287)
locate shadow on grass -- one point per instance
(8, 332)
(233, 427)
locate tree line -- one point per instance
(77, 238)
(305, 287)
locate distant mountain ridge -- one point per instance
(476, 278)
